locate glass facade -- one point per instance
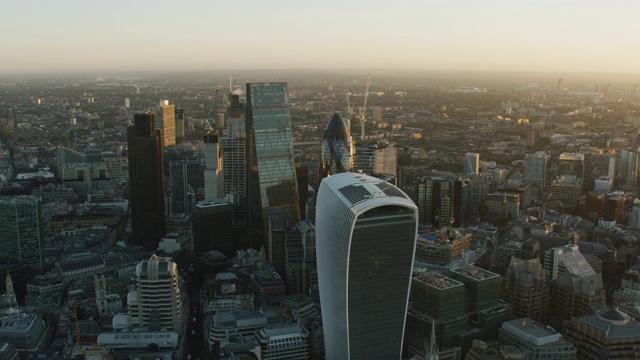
(20, 238)
(271, 167)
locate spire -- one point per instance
(432, 354)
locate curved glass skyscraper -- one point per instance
(365, 241)
(336, 148)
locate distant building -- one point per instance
(213, 185)
(571, 164)
(472, 163)
(336, 149)
(165, 117)
(21, 236)
(378, 157)
(180, 125)
(234, 177)
(566, 191)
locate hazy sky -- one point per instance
(512, 35)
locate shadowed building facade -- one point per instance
(271, 170)
(366, 235)
(146, 181)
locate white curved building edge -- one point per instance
(366, 234)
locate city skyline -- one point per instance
(461, 36)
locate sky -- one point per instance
(588, 36)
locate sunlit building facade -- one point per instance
(366, 235)
(336, 148)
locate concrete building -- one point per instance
(378, 157)
(224, 327)
(156, 303)
(377, 223)
(609, 334)
(565, 191)
(525, 287)
(571, 164)
(537, 341)
(23, 331)
(286, 341)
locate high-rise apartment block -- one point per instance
(165, 117)
(270, 159)
(366, 235)
(21, 237)
(146, 181)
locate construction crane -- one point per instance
(363, 110)
(207, 126)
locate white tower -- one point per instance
(10, 294)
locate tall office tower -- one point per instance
(146, 181)
(179, 116)
(366, 236)
(271, 170)
(535, 169)
(537, 341)
(560, 84)
(378, 157)
(302, 178)
(213, 228)
(183, 182)
(336, 150)
(234, 170)
(525, 288)
(471, 163)
(430, 191)
(595, 166)
(21, 237)
(631, 173)
(166, 122)
(571, 164)
(609, 334)
(559, 259)
(461, 202)
(156, 302)
(213, 185)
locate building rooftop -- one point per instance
(438, 281)
(532, 331)
(475, 273)
(614, 323)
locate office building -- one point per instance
(481, 287)
(573, 295)
(336, 149)
(566, 191)
(234, 175)
(430, 192)
(213, 186)
(571, 164)
(225, 327)
(535, 169)
(165, 117)
(597, 166)
(213, 228)
(559, 259)
(183, 182)
(21, 235)
(140, 344)
(525, 287)
(537, 341)
(472, 163)
(180, 126)
(270, 159)
(25, 332)
(69, 156)
(609, 334)
(365, 229)
(286, 341)
(377, 157)
(156, 303)
(146, 181)
(481, 350)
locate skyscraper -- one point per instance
(336, 148)
(212, 228)
(21, 238)
(271, 170)
(146, 181)
(535, 169)
(179, 116)
(166, 121)
(366, 236)
(234, 160)
(212, 182)
(183, 179)
(472, 163)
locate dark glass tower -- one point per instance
(271, 170)
(179, 126)
(146, 181)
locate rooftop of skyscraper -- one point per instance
(438, 281)
(475, 273)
